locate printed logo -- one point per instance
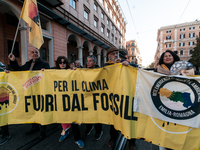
(8, 98)
(176, 98)
(30, 82)
(33, 12)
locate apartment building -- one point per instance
(71, 28)
(133, 52)
(179, 38)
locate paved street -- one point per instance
(17, 142)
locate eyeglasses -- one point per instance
(62, 62)
(114, 53)
(34, 52)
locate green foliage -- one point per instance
(195, 58)
(151, 65)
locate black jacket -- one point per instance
(39, 64)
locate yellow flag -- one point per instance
(30, 15)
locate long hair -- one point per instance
(65, 60)
(176, 58)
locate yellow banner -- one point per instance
(104, 95)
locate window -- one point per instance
(111, 26)
(168, 37)
(95, 23)
(132, 53)
(128, 44)
(168, 45)
(102, 29)
(191, 28)
(182, 44)
(11, 20)
(44, 54)
(169, 31)
(132, 48)
(95, 7)
(120, 40)
(182, 36)
(102, 16)
(107, 22)
(102, 1)
(86, 15)
(181, 52)
(112, 37)
(73, 4)
(45, 24)
(182, 29)
(190, 52)
(132, 44)
(108, 33)
(176, 52)
(191, 43)
(191, 35)
(115, 40)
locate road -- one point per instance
(32, 142)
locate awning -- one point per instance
(54, 3)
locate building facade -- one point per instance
(133, 52)
(179, 38)
(70, 28)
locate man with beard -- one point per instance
(113, 56)
(34, 64)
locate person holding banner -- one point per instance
(78, 64)
(5, 135)
(34, 64)
(167, 59)
(63, 63)
(113, 56)
(91, 63)
(71, 64)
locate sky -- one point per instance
(145, 17)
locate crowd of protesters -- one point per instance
(62, 63)
(166, 61)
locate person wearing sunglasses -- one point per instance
(63, 63)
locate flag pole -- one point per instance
(15, 35)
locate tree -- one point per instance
(151, 65)
(195, 58)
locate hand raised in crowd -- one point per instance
(11, 57)
(6, 71)
(117, 60)
(125, 63)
